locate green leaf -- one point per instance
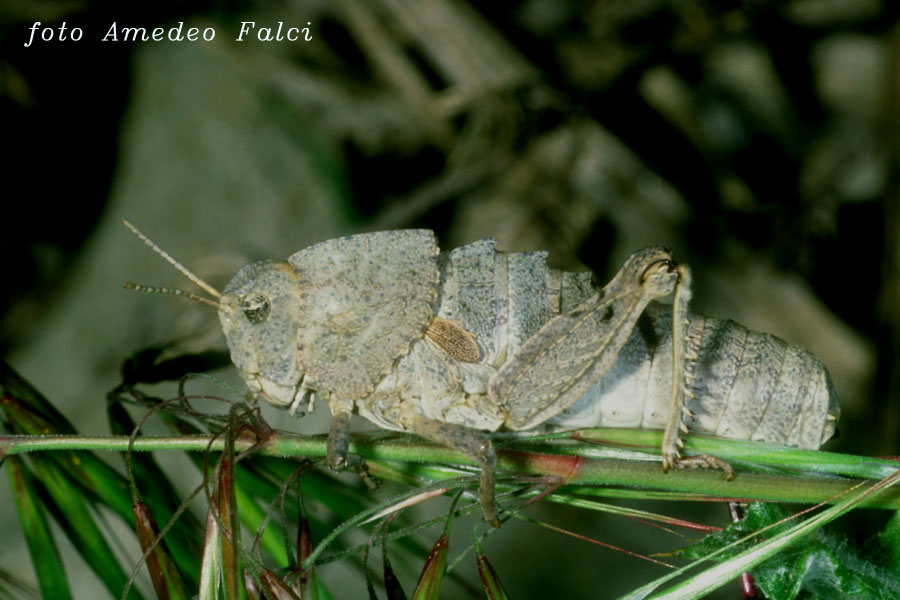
(165, 577)
(225, 502)
(79, 524)
(307, 584)
(211, 565)
(163, 500)
(758, 516)
(252, 515)
(712, 578)
(276, 588)
(493, 589)
(94, 477)
(432, 575)
(889, 542)
(826, 568)
(45, 557)
(21, 397)
(821, 564)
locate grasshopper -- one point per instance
(453, 346)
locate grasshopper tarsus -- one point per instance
(704, 461)
(361, 468)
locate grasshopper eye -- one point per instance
(657, 266)
(256, 307)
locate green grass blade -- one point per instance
(211, 565)
(51, 575)
(163, 573)
(78, 521)
(162, 500)
(432, 574)
(490, 581)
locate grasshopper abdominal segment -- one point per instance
(453, 346)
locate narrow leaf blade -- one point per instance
(45, 556)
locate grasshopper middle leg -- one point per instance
(476, 445)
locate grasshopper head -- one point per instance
(260, 317)
(260, 314)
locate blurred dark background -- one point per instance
(759, 140)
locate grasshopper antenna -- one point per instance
(209, 289)
(163, 290)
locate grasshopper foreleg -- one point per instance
(339, 457)
(473, 443)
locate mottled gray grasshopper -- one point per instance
(451, 346)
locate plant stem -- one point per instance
(765, 472)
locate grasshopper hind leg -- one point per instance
(684, 355)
